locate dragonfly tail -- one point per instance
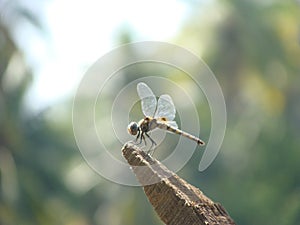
(180, 132)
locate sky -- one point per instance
(90, 28)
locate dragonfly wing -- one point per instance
(165, 108)
(148, 99)
(172, 124)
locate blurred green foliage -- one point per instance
(253, 48)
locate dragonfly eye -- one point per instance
(133, 128)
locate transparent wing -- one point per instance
(148, 99)
(172, 124)
(165, 108)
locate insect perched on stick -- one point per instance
(158, 114)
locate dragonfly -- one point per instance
(158, 114)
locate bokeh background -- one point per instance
(45, 48)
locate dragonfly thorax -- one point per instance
(144, 124)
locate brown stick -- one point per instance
(175, 201)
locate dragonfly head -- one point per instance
(133, 128)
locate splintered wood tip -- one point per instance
(175, 201)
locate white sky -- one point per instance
(80, 32)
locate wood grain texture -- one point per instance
(175, 201)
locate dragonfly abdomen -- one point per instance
(180, 132)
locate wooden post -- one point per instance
(175, 201)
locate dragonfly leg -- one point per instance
(143, 137)
(137, 137)
(153, 143)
